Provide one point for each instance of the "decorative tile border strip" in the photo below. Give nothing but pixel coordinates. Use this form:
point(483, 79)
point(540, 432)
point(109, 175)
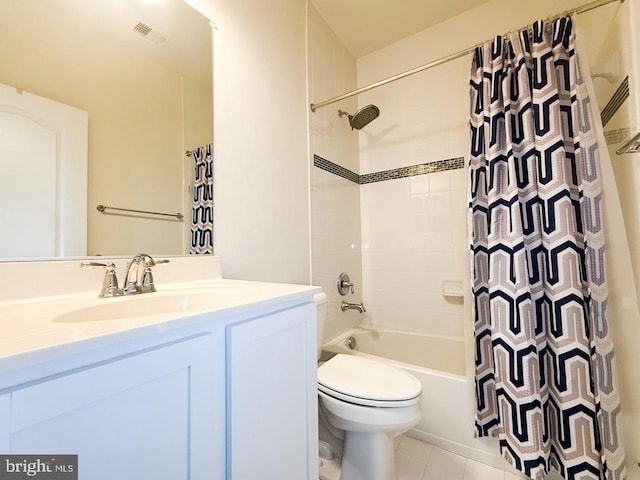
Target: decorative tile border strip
point(336, 169)
point(617, 136)
point(614, 136)
point(616, 101)
point(403, 172)
point(413, 170)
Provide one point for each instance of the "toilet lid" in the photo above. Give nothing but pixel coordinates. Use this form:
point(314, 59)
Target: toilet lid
point(350, 377)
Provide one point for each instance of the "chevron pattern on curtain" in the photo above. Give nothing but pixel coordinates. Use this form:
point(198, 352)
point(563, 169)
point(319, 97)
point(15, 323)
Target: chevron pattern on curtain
point(545, 369)
point(202, 212)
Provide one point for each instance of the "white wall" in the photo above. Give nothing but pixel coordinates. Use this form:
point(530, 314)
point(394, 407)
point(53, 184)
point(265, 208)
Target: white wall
point(335, 201)
point(261, 197)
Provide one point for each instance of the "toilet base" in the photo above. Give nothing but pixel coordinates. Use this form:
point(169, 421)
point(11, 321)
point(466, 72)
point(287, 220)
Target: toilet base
point(368, 456)
point(329, 470)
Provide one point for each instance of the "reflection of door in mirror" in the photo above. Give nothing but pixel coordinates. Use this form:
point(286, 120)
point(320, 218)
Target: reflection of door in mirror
point(43, 186)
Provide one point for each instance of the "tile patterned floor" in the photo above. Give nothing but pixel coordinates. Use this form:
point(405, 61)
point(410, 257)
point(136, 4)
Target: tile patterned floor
point(416, 460)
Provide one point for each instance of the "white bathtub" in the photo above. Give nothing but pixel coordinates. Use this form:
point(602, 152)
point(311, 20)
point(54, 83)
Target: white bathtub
point(447, 393)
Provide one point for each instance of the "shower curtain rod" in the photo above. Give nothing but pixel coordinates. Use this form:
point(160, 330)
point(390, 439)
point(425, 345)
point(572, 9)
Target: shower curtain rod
point(314, 106)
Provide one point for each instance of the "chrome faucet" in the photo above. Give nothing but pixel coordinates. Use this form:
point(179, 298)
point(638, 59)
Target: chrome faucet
point(110, 282)
point(344, 306)
point(139, 277)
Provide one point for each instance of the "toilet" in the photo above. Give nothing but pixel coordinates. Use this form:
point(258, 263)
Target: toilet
point(371, 402)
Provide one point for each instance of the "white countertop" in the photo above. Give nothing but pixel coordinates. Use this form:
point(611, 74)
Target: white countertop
point(50, 310)
point(35, 324)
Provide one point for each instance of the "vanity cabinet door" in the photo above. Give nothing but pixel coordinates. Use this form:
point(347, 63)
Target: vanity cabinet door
point(153, 414)
point(271, 397)
point(5, 421)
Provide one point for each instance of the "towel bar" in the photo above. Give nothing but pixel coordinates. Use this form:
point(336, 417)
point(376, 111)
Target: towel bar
point(102, 208)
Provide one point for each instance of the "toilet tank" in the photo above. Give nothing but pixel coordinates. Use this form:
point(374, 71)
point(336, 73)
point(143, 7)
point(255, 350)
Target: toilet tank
point(321, 302)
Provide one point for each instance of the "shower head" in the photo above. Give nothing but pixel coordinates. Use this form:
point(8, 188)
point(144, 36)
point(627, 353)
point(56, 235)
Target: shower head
point(362, 117)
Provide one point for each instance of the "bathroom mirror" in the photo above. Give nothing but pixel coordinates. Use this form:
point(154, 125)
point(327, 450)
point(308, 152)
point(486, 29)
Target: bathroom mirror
point(142, 72)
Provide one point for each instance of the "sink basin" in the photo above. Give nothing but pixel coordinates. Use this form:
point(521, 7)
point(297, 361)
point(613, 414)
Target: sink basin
point(153, 304)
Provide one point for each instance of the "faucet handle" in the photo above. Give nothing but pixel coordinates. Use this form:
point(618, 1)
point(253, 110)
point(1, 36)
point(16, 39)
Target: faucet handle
point(345, 284)
point(95, 264)
point(148, 261)
point(148, 285)
point(110, 282)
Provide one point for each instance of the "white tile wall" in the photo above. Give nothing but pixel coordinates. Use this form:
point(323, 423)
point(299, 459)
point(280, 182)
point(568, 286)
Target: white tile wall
point(414, 229)
point(335, 202)
point(414, 233)
point(423, 118)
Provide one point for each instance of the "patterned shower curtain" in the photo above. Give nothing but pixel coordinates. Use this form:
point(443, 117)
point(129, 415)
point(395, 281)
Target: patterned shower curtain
point(202, 214)
point(545, 374)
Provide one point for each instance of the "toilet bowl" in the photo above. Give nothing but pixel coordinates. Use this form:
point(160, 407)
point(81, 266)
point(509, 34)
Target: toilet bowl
point(371, 402)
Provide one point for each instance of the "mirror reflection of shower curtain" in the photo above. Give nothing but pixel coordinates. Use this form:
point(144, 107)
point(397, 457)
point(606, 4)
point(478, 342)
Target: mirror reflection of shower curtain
point(202, 212)
point(545, 369)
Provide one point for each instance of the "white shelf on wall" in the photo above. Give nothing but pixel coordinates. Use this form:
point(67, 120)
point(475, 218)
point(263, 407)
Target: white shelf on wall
point(452, 287)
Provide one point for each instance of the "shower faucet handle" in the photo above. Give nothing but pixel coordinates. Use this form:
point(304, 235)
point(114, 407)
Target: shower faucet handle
point(345, 284)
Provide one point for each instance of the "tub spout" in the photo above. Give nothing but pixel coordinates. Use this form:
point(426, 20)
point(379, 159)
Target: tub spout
point(344, 306)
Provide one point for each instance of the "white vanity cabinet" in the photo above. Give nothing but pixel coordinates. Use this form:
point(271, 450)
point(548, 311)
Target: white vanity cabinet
point(221, 395)
point(5, 421)
point(271, 397)
point(151, 414)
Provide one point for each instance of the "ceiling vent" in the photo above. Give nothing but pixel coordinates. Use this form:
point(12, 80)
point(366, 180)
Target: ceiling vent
point(150, 34)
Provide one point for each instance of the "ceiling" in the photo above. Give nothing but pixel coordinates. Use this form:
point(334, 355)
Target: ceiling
point(365, 26)
point(180, 37)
